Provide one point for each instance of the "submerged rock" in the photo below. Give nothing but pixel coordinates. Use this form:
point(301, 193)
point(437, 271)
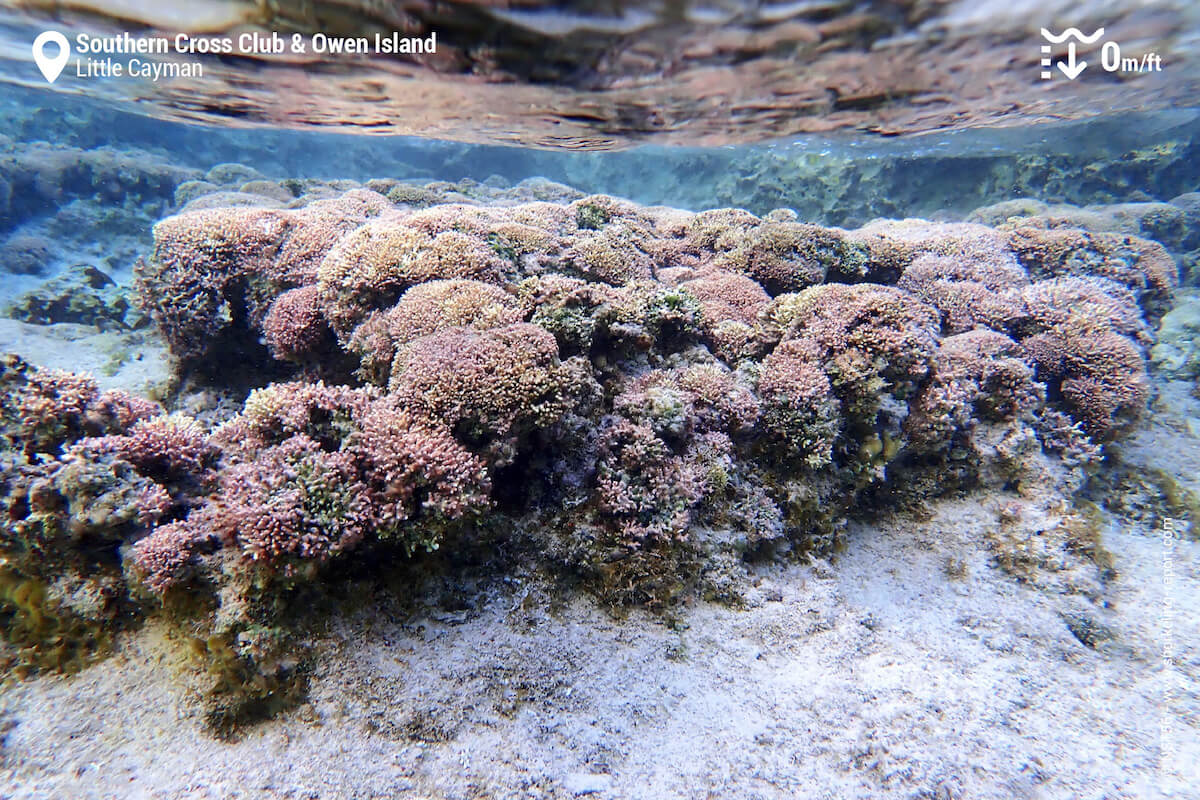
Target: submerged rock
point(82, 295)
point(43, 176)
point(641, 398)
point(188, 191)
point(232, 174)
point(1177, 353)
point(227, 199)
point(25, 254)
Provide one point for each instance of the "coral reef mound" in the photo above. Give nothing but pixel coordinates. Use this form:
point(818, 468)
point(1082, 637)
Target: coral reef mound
point(642, 398)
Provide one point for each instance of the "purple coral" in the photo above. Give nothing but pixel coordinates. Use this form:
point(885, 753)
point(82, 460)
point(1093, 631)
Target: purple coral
point(685, 401)
point(372, 266)
point(1100, 374)
point(161, 558)
point(292, 501)
point(295, 325)
point(978, 375)
point(414, 466)
point(428, 308)
point(315, 469)
point(44, 409)
point(615, 254)
point(200, 258)
point(861, 332)
point(798, 403)
point(727, 296)
point(968, 293)
point(317, 227)
point(781, 256)
point(1143, 266)
point(1098, 301)
point(167, 449)
point(460, 317)
point(216, 269)
point(55, 398)
point(275, 413)
point(644, 490)
point(729, 305)
point(495, 382)
point(124, 409)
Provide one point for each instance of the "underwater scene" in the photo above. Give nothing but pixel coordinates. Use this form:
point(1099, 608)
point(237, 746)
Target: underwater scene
point(634, 401)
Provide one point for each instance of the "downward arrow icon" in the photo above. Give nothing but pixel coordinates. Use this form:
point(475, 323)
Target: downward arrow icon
point(1070, 68)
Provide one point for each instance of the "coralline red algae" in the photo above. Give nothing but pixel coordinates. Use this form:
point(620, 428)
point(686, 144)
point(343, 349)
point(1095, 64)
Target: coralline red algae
point(625, 331)
point(642, 396)
point(295, 326)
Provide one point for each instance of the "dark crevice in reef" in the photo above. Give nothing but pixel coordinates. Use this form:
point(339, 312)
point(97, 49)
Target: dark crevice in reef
point(435, 398)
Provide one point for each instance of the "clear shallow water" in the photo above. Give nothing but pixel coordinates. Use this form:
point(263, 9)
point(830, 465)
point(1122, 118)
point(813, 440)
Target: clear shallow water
point(820, 175)
point(1017, 619)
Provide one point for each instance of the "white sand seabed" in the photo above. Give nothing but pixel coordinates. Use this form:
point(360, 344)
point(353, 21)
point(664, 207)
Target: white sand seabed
point(136, 361)
point(877, 676)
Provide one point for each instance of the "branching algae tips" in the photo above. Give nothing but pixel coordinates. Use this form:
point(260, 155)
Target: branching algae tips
point(740, 400)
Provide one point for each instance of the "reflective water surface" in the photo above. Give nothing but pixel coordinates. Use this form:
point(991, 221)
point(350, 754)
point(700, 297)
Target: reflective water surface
point(603, 75)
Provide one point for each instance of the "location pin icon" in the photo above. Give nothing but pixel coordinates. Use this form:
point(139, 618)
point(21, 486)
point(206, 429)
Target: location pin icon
point(51, 67)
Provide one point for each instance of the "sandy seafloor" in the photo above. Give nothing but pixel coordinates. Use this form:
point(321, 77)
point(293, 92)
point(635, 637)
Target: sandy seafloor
point(910, 667)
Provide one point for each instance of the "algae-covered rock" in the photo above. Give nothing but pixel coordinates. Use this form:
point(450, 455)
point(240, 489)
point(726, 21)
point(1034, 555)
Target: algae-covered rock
point(66, 514)
point(231, 199)
point(271, 189)
point(231, 174)
point(45, 176)
point(1177, 353)
point(637, 399)
point(25, 254)
point(83, 295)
point(188, 191)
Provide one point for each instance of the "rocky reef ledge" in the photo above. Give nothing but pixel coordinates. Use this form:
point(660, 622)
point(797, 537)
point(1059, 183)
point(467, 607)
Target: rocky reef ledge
point(639, 401)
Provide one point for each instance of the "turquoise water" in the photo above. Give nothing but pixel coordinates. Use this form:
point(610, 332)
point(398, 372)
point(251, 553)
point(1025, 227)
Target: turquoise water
point(664, 400)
